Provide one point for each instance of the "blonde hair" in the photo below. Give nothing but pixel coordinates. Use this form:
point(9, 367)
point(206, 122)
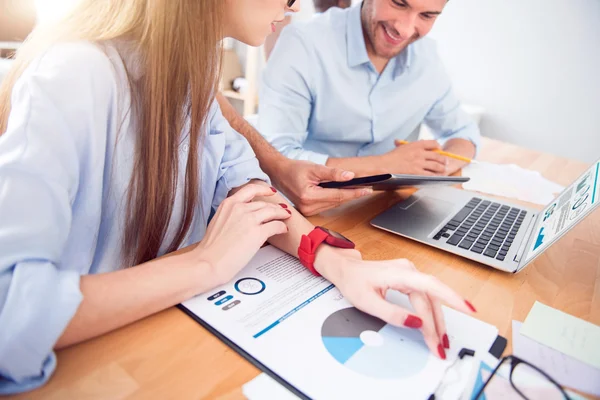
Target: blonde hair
point(178, 44)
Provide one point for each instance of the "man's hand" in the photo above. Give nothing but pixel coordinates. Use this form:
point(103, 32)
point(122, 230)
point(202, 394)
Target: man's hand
point(416, 158)
point(461, 147)
point(299, 181)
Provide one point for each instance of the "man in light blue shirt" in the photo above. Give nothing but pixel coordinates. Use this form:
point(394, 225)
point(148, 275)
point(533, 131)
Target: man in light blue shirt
point(345, 87)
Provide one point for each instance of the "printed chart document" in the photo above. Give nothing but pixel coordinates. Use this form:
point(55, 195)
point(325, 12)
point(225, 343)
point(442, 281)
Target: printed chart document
point(302, 329)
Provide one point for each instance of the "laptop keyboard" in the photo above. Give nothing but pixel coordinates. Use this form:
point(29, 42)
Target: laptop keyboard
point(484, 227)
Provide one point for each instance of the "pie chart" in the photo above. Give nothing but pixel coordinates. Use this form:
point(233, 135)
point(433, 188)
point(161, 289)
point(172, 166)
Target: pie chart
point(250, 286)
point(370, 347)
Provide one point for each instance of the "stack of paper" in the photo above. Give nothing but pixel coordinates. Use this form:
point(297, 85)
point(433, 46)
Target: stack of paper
point(565, 347)
point(510, 181)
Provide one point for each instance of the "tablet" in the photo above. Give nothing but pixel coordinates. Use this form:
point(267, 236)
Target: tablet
point(395, 181)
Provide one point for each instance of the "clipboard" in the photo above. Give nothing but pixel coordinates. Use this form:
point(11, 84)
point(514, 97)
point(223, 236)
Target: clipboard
point(244, 354)
point(497, 349)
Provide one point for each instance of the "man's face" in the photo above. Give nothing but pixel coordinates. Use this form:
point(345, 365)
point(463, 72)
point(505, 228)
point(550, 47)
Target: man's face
point(391, 25)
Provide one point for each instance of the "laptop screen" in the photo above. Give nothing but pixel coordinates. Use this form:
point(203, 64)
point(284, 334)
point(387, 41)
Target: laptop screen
point(574, 203)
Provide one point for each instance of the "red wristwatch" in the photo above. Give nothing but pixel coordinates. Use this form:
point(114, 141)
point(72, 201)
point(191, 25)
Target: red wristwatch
point(309, 244)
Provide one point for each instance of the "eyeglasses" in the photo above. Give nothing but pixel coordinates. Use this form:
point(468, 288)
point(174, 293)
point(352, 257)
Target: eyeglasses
point(290, 3)
point(528, 381)
point(525, 381)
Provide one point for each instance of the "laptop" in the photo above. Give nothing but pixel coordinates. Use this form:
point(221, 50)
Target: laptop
point(496, 233)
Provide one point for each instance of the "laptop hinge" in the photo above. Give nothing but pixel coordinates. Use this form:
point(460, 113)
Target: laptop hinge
point(525, 241)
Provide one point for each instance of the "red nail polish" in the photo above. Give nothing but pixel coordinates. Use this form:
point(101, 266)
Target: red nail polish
point(441, 352)
point(283, 205)
point(470, 306)
point(446, 341)
point(413, 322)
point(289, 212)
point(274, 190)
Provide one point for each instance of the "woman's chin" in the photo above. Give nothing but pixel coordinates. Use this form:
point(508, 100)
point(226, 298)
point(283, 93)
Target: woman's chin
point(251, 40)
point(258, 41)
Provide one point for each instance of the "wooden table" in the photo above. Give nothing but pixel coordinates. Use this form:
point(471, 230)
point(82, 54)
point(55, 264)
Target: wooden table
point(169, 355)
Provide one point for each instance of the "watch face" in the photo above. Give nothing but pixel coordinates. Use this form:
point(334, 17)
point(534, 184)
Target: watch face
point(336, 235)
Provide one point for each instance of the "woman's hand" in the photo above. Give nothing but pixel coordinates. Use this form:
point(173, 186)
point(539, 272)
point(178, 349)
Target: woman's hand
point(365, 283)
point(238, 229)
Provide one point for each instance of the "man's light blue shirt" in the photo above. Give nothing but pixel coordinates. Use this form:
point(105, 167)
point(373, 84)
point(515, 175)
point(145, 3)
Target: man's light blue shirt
point(66, 161)
point(321, 96)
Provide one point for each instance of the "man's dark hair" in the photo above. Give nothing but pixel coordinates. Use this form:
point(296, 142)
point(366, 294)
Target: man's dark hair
point(324, 5)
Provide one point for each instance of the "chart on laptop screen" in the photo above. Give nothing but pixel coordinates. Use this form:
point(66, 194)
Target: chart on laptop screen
point(573, 203)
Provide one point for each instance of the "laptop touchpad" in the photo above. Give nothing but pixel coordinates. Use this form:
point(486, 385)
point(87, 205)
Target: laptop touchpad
point(431, 207)
point(422, 215)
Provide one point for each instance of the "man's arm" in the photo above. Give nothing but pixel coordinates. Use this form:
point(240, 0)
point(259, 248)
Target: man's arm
point(298, 180)
point(269, 158)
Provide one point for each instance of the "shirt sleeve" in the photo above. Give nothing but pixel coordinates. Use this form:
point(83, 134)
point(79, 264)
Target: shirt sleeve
point(238, 164)
point(446, 119)
point(286, 98)
point(40, 157)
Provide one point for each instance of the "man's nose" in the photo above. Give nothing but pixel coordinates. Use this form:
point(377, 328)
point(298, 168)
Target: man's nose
point(407, 26)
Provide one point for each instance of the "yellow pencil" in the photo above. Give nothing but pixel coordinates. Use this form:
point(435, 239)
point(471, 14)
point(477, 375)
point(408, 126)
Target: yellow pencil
point(445, 153)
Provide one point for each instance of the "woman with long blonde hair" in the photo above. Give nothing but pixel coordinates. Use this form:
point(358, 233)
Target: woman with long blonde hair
point(113, 153)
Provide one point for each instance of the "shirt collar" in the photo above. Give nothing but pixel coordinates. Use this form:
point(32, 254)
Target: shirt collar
point(403, 61)
point(355, 41)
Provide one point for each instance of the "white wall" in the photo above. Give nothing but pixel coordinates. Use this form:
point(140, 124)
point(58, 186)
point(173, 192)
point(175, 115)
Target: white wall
point(533, 64)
